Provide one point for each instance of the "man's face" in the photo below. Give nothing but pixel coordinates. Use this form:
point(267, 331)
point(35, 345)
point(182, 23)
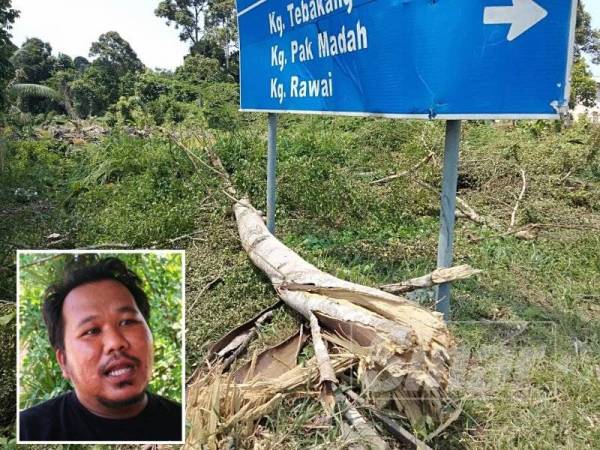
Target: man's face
point(108, 346)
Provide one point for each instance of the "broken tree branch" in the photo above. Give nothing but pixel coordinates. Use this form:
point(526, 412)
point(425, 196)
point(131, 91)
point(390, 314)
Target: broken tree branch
point(208, 286)
point(470, 213)
point(513, 216)
point(529, 232)
point(366, 434)
point(461, 205)
point(449, 421)
point(321, 353)
point(438, 276)
point(327, 378)
point(406, 172)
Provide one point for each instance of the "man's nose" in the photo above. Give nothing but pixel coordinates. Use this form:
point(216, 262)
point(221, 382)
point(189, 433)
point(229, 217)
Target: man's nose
point(115, 340)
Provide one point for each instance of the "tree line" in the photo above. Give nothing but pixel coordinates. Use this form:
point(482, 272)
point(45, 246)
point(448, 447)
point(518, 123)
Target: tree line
point(112, 78)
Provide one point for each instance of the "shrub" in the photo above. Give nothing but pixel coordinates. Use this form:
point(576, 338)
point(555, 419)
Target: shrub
point(220, 104)
point(134, 191)
point(8, 340)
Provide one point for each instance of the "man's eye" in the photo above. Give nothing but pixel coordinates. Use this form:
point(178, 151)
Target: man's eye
point(92, 331)
point(127, 322)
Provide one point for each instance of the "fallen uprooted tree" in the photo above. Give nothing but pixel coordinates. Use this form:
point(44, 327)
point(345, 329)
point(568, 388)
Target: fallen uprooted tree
point(397, 351)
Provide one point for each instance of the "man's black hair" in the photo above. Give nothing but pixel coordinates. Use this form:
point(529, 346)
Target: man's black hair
point(78, 274)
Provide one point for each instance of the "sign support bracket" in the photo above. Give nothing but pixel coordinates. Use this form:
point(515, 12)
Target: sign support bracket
point(271, 171)
point(447, 211)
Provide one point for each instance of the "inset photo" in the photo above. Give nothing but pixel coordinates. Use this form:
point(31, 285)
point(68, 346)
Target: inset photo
point(100, 353)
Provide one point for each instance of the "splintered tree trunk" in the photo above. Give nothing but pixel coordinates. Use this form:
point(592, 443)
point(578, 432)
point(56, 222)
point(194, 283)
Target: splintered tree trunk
point(402, 348)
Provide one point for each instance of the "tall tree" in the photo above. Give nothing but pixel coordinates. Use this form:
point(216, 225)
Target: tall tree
point(34, 65)
point(104, 81)
point(81, 64)
point(199, 68)
point(584, 90)
point(94, 92)
point(221, 26)
point(186, 16)
point(211, 49)
point(7, 18)
point(114, 53)
point(63, 62)
point(587, 39)
point(33, 62)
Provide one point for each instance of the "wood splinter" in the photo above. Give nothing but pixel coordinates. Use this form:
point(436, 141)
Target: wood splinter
point(438, 276)
point(366, 436)
point(390, 425)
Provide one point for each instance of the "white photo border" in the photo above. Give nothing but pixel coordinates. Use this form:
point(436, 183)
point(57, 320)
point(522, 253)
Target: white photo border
point(183, 343)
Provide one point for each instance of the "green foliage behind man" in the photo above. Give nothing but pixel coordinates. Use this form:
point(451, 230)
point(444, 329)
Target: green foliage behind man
point(8, 341)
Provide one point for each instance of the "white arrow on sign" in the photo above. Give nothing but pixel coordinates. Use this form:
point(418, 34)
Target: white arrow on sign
point(522, 15)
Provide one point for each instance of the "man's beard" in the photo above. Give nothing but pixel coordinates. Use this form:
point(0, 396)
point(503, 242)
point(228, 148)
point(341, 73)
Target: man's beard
point(118, 404)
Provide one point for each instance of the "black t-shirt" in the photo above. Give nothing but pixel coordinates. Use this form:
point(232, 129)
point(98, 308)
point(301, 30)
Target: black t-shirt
point(64, 418)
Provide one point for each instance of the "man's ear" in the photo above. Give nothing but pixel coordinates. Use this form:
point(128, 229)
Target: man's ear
point(61, 357)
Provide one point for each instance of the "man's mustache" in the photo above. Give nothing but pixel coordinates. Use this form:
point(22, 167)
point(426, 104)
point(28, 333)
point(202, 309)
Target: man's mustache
point(120, 356)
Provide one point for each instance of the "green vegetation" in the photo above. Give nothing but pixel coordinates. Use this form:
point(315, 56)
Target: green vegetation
point(7, 365)
point(148, 192)
point(41, 378)
point(7, 48)
point(330, 213)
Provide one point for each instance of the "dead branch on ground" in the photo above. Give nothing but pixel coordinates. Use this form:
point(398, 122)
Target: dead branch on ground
point(513, 216)
point(390, 425)
point(360, 431)
point(462, 206)
point(438, 276)
point(406, 172)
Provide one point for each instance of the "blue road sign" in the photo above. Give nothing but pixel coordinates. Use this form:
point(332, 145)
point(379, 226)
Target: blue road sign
point(445, 59)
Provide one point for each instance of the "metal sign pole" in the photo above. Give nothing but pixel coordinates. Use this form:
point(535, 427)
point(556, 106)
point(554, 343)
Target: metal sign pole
point(271, 172)
point(447, 213)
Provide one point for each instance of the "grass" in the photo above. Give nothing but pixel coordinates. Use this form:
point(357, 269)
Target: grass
point(145, 192)
point(332, 216)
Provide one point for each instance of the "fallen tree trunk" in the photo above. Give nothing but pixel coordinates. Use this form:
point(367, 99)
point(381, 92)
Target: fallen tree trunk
point(399, 350)
point(404, 347)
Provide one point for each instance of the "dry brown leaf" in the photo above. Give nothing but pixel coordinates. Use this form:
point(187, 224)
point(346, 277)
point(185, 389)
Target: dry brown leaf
point(230, 342)
point(273, 362)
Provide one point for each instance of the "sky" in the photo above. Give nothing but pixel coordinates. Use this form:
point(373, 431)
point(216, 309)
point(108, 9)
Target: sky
point(70, 26)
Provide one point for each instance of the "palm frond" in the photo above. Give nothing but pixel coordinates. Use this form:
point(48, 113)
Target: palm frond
point(37, 90)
